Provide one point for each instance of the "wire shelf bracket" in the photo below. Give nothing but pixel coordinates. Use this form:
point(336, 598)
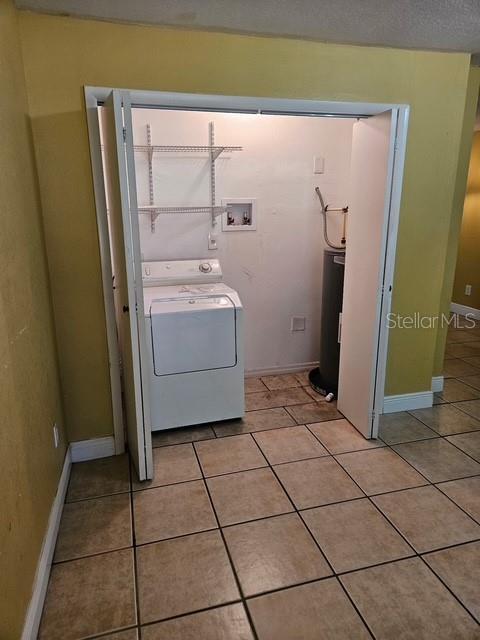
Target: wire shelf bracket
point(214, 151)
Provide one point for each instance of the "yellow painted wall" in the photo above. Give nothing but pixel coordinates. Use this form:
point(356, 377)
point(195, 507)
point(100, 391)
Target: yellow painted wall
point(29, 389)
point(64, 54)
point(471, 101)
point(468, 261)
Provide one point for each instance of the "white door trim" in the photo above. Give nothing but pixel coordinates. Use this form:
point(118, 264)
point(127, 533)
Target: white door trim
point(157, 99)
point(91, 105)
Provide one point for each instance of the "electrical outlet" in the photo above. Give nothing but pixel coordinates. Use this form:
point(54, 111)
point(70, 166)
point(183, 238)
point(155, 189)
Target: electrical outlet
point(212, 241)
point(56, 436)
point(468, 289)
point(298, 323)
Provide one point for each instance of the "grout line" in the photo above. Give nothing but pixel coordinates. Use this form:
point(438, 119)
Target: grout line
point(191, 613)
point(107, 634)
point(136, 583)
point(104, 495)
point(91, 555)
point(243, 598)
point(316, 543)
point(227, 550)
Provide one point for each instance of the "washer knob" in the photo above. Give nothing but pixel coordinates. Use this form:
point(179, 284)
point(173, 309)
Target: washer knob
point(205, 267)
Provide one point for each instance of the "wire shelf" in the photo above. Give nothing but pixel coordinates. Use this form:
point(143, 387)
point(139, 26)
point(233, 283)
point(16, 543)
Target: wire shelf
point(184, 148)
point(155, 211)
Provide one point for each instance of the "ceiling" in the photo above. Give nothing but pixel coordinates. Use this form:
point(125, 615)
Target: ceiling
point(447, 25)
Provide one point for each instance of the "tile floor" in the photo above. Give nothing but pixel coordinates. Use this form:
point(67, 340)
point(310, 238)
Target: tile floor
point(286, 525)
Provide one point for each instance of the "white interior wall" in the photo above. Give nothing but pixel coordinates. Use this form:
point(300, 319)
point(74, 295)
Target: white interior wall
point(276, 269)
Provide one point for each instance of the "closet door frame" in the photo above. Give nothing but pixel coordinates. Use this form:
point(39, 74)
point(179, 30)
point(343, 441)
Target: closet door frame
point(94, 97)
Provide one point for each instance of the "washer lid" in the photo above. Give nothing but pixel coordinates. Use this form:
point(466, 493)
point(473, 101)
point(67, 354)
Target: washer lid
point(190, 305)
point(181, 272)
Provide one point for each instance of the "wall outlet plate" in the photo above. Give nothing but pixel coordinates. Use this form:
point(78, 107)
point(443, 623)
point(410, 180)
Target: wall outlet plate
point(468, 289)
point(212, 241)
point(298, 323)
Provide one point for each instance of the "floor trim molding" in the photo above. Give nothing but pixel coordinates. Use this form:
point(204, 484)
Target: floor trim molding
point(280, 369)
point(408, 401)
point(462, 310)
point(437, 384)
point(92, 449)
point(40, 583)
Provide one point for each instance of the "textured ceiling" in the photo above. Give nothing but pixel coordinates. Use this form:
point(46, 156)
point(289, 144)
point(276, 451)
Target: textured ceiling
point(448, 25)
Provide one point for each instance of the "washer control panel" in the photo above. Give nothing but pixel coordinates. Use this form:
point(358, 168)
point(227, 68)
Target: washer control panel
point(181, 272)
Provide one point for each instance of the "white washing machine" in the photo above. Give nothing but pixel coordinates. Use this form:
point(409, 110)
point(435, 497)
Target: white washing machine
point(195, 342)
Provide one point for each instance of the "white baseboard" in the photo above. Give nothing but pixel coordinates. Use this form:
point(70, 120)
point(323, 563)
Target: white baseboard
point(408, 401)
point(280, 369)
point(35, 608)
point(463, 310)
point(437, 384)
point(92, 449)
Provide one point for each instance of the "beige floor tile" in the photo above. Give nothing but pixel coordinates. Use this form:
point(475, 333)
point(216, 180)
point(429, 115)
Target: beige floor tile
point(314, 412)
point(446, 419)
point(129, 634)
point(177, 463)
point(255, 421)
point(309, 612)
point(458, 568)
point(227, 455)
point(437, 399)
point(380, 470)
point(278, 398)
point(468, 442)
point(438, 460)
point(405, 600)
point(302, 377)
point(472, 407)
point(289, 444)
point(174, 510)
point(456, 391)
point(247, 495)
point(427, 518)
point(403, 427)
point(339, 436)
point(312, 483)
point(463, 350)
point(471, 381)
point(354, 534)
point(94, 526)
point(224, 623)
point(97, 478)
point(184, 575)
point(455, 367)
point(274, 553)
point(473, 360)
point(89, 596)
point(465, 493)
point(314, 394)
point(460, 335)
point(254, 384)
point(284, 381)
point(182, 435)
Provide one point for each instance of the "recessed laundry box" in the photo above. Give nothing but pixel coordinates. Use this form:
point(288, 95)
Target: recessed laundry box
point(193, 334)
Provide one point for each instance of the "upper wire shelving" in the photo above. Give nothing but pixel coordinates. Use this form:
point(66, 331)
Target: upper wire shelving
point(213, 150)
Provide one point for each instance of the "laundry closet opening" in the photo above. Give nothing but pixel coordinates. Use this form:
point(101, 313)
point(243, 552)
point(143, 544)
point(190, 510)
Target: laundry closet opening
point(259, 242)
